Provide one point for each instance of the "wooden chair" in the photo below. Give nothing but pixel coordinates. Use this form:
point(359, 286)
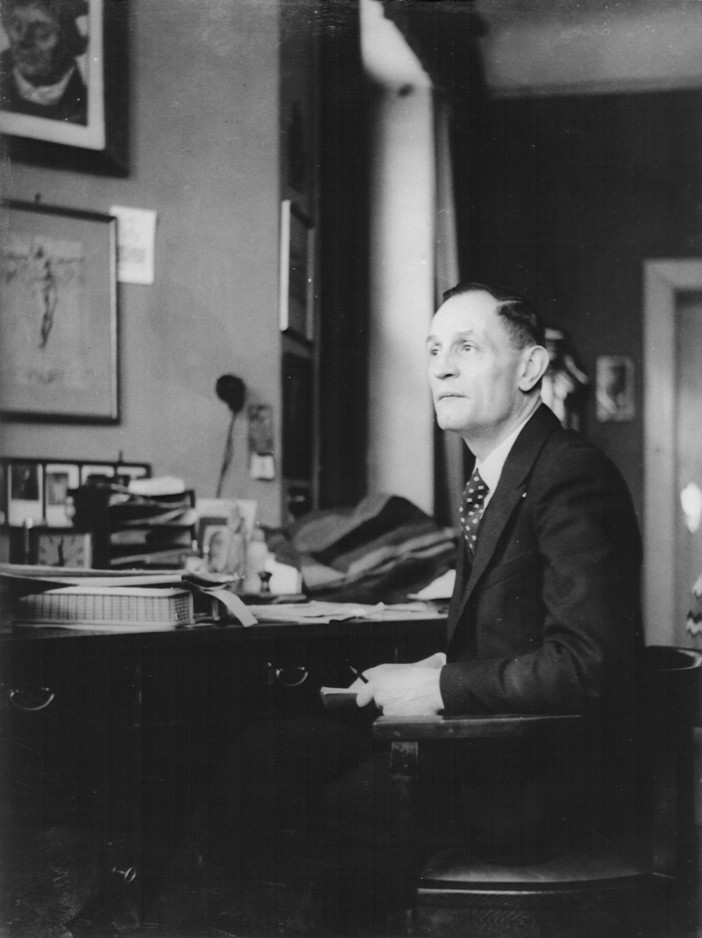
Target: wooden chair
point(562, 883)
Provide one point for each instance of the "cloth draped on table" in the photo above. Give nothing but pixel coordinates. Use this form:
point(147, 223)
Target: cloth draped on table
point(380, 550)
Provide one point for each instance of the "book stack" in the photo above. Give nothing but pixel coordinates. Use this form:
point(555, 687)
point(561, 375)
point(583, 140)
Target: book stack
point(133, 530)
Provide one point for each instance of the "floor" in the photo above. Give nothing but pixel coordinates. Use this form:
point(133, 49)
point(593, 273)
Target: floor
point(286, 881)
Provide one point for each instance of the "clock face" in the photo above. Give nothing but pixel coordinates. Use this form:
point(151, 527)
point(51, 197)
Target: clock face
point(62, 547)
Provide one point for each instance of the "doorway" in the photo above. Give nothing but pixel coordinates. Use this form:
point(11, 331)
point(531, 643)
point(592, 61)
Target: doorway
point(672, 442)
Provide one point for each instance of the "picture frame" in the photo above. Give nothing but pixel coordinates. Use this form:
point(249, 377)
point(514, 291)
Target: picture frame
point(90, 471)
point(87, 129)
point(59, 479)
point(229, 511)
point(53, 546)
point(25, 493)
point(223, 547)
point(298, 425)
point(614, 388)
point(128, 472)
point(297, 249)
point(58, 314)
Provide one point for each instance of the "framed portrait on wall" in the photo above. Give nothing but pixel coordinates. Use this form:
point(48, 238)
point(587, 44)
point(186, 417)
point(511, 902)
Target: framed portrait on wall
point(63, 88)
point(58, 314)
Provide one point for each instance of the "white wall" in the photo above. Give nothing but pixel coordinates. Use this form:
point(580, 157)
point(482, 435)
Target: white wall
point(205, 152)
point(401, 243)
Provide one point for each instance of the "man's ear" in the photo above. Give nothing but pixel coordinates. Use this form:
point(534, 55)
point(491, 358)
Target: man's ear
point(535, 362)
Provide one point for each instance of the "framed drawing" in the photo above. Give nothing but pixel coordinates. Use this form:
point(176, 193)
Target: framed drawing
point(615, 388)
point(63, 97)
point(58, 314)
point(296, 272)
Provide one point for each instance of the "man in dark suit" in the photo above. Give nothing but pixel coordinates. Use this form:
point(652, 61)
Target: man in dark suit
point(545, 615)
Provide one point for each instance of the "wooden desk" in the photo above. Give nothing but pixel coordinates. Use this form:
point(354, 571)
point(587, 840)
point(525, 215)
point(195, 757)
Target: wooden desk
point(119, 734)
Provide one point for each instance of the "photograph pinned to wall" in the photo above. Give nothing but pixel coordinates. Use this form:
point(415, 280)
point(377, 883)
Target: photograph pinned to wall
point(91, 471)
point(222, 546)
point(261, 461)
point(615, 388)
point(63, 90)
point(25, 502)
point(126, 473)
point(59, 480)
point(58, 314)
point(296, 273)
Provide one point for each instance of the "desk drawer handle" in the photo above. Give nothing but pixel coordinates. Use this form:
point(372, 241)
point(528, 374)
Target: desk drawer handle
point(31, 698)
point(126, 876)
point(291, 676)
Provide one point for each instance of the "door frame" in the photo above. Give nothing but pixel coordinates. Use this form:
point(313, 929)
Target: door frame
point(663, 279)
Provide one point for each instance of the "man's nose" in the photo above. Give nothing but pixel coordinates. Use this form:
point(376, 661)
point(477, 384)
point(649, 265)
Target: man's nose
point(443, 364)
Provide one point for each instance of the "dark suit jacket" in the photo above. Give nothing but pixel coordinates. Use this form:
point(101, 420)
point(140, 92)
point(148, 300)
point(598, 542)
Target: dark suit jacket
point(547, 619)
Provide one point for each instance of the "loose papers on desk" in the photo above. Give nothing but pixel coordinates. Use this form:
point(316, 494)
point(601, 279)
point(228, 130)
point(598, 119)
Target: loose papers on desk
point(325, 612)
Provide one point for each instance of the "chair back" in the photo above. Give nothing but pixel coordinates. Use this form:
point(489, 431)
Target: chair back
point(673, 703)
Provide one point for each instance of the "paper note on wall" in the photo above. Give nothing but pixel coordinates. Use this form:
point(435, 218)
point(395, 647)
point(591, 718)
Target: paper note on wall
point(136, 235)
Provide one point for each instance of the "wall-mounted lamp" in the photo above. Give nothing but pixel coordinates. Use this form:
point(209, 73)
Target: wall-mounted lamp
point(232, 391)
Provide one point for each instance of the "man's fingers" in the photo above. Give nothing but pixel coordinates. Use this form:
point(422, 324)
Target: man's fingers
point(364, 695)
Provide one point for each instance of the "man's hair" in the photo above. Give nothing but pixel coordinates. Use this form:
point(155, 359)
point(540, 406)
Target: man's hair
point(522, 321)
point(65, 12)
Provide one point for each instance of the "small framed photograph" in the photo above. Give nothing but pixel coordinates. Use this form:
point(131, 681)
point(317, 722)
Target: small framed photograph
point(223, 548)
point(63, 91)
point(59, 479)
point(297, 246)
point(25, 498)
point(96, 470)
point(231, 510)
point(58, 330)
point(615, 388)
point(60, 547)
point(126, 473)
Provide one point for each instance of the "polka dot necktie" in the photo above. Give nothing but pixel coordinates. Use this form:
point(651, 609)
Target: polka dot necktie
point(471, 510)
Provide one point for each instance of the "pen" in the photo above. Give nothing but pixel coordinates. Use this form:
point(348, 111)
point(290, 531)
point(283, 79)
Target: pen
point(356, 673)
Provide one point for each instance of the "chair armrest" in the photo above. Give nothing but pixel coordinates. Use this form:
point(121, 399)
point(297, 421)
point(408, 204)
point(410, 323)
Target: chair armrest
point(476, 727)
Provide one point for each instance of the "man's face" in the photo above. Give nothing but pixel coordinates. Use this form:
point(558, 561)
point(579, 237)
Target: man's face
point(36, 42)
point(474, 368)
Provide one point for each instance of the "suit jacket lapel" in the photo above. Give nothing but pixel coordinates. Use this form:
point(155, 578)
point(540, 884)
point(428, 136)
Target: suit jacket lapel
point(510, 490)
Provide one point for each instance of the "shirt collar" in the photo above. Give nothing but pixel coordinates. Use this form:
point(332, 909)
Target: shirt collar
point(491, 467)
point(44, 95)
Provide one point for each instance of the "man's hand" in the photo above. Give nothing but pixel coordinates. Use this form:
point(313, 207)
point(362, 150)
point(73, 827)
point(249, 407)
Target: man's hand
point(403, 689)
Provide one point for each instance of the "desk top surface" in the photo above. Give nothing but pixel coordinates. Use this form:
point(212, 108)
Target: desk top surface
point(231, 631)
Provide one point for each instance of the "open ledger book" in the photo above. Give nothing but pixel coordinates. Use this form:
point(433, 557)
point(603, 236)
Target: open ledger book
point(109, 601)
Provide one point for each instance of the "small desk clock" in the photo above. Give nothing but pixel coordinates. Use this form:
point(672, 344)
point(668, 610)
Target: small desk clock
point(60, 547)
